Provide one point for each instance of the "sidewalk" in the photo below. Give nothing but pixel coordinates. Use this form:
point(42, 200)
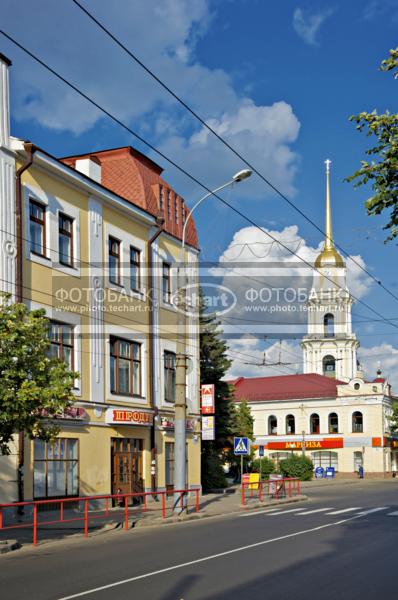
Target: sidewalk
point(210, 505)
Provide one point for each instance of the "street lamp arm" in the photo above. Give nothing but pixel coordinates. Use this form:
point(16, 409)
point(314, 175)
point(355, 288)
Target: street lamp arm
point(195, 206)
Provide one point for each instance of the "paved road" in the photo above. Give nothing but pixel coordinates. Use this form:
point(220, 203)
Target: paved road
point(316, 551)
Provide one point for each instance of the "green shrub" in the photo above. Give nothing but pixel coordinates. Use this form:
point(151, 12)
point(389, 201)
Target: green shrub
point(297, 466)
point(267, 467)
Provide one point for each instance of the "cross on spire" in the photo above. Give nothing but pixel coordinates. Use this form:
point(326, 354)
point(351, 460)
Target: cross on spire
point(328, 163)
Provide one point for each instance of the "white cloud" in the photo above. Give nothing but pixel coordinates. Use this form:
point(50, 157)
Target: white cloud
point(262, 134)
point(164, 35)
point(307, 25)
point(383, 355)
point(253, 262)
point(380, 9)
point(249, 355)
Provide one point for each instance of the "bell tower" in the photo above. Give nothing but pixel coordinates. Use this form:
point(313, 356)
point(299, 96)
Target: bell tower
point(330, 346)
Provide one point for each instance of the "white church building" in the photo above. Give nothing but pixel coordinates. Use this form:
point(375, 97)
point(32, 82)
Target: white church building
point(330, 412)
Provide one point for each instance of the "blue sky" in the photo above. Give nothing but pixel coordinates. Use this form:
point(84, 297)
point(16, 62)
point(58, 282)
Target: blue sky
point(278, 80)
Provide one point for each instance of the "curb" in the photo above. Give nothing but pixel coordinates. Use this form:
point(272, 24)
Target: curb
point(199, 516)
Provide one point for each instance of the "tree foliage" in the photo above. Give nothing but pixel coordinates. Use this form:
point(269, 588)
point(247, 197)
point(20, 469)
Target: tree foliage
point(214, 364)
point(393, 418)
point(382, 171)
point(266, 465)
point(297, 466)
point(34, 388)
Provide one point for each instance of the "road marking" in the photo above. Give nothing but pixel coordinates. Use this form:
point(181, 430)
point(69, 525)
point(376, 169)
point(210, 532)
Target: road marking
point(345, 510)
point(260, 512)
point(208, 558)
point(372, 510)
point(317, 510)
point(393, 514)
point(284, 512)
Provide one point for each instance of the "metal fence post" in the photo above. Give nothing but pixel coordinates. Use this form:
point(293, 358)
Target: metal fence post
point(86, 518)
point(34, 524)
point(164, 505)
point(243, 494)
point(197, 500)
point(126, 512)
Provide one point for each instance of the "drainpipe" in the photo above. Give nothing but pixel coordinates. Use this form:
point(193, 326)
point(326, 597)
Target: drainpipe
point(30, 150)
point(160, 224)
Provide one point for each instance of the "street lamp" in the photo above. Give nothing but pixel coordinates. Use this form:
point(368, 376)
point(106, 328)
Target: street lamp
point(180, 403)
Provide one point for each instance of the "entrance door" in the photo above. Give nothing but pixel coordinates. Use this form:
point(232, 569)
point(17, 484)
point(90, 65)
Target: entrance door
point(358, 461)
point(126, 466)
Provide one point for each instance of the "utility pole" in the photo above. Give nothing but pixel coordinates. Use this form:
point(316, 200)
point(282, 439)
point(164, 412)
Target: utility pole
point(179, 503)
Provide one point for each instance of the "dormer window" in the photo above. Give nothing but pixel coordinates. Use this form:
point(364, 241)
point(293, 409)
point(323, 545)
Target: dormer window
point(161, 198)
point(176, 209)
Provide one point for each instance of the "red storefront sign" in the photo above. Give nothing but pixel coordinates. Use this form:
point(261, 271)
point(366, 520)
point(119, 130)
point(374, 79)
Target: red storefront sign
point(207, 399)
point(128, 417)
point(309, 444)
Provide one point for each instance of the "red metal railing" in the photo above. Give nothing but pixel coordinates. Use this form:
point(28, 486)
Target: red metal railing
point(122, 509)
point(287, 487)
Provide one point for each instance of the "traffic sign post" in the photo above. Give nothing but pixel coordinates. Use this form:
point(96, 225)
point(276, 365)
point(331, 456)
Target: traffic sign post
point(261, 454)
point(241, 448)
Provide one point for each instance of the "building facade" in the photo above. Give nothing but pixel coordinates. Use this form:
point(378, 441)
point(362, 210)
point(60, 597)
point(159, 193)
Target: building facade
point(95, 241)
point(329, 412)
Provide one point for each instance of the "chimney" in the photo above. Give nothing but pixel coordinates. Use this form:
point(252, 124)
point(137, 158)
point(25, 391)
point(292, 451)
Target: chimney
point(4, 102)
point(89, 166)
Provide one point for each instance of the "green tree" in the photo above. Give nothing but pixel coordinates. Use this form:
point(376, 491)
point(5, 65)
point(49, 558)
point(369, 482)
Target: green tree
point(244, 420)
point(266, 465)
point(393, 418)
point(34, 388)
point(297, 466)
point(382, 171)
point(214, 364)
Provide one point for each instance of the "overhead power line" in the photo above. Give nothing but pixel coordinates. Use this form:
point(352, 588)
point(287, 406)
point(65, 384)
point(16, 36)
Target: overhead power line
point(183, 170)
point(135, 58)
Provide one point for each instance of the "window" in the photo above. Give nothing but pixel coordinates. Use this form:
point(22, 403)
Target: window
point(56, 468)
point(176, 209)
point(277, 458)
point(333, 423)
point(169, 376)
point(135, 256)
point(61, 342)
point(169, 204)
point(37, 227)
point(329, 366)
point(314, 423)
point(328, 325)
point(125, 367)
point(272, 425)
point(357, 422)
point(325, 458)
point(290, 424)
point(166, 283)
point(114, 260)
point(65, 240)
point(358, 460)
point(161, 202)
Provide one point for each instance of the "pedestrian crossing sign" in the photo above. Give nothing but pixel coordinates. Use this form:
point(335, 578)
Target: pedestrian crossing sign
point(241, 446)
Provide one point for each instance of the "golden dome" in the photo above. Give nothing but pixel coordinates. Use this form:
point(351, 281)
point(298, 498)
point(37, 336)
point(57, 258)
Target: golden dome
point(329, 255)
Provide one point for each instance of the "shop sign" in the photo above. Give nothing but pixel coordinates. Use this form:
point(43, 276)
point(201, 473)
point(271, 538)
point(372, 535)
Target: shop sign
point(168, 423)
point(72, 413)
point(128, 417)
point(207, 399)
point(309, 444)
point(208, 428)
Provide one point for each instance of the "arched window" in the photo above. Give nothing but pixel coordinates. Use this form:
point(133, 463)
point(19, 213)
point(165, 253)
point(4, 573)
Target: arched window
point(333, 423)
point(272, 425)
point(329, 366)
point(290, 424)
point(314, 423)
point(357, 422)
point(328, 325)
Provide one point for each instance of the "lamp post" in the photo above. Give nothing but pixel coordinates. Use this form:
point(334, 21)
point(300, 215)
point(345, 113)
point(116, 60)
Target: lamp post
point(181, 357)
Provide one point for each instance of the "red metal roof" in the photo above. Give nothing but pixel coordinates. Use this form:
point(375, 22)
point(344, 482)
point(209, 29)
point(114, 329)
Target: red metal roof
point(137, 179)
point(285, 387)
